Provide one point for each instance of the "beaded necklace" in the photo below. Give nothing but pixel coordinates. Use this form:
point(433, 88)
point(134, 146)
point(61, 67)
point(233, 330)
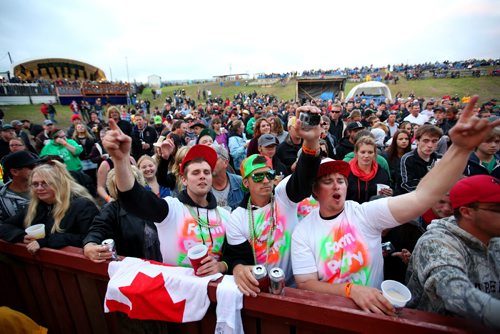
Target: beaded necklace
point(196, 217)
point(251, 227)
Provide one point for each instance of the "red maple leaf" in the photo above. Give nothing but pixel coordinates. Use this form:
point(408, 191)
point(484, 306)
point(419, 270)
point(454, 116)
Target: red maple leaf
point(150, 300)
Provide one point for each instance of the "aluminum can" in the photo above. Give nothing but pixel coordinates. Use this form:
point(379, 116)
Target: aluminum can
point(110, 244)
point(260, 274)
point(277, 281)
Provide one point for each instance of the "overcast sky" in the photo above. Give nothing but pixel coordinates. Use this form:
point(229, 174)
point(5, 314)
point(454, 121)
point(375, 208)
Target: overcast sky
point(199, 39)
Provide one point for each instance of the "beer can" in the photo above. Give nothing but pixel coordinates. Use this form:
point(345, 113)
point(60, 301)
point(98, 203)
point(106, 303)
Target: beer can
point(277, 281)
point(260, 274)
point(110, 244)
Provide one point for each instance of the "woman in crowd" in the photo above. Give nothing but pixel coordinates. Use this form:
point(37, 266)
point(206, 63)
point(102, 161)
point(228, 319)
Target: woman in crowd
point(16, 144)
point(221, 135)
point(365, 172)
point(57, 201)
point(237, 143)
point(400, 145)
point(277, 128)
point(87, 141)
point(262, 126)
point(181, 153)
point(148, 166)
point(133, 236)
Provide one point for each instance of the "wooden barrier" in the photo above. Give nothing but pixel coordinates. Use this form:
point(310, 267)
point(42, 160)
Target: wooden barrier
point(63, 291)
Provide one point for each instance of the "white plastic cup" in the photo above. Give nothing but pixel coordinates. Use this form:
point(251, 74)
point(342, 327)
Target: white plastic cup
point(396, 293)
point(196, 254)
point(381, 186)
point(37, 231)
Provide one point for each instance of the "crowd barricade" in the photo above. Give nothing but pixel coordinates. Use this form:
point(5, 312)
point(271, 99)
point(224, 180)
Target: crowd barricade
point(64, 291)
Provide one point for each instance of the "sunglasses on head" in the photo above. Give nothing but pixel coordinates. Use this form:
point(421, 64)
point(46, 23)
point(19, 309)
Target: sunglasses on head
point(259, 177)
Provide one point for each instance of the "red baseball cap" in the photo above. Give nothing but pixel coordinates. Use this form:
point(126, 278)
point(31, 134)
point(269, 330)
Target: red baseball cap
point(477, 188)
point(200, 151)
point(330, 166)
point(75, 116)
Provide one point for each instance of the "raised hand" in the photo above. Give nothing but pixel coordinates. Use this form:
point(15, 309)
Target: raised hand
point(313, 133)
point(167, 147)
point(116, 143)
point(470, 131)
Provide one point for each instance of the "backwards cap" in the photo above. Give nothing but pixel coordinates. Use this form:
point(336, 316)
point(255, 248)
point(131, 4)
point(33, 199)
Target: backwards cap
point(200, 151)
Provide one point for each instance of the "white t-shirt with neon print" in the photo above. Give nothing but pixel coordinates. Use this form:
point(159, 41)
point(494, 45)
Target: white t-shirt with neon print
point(344, 249)
point(285, 216)
point(179, 231)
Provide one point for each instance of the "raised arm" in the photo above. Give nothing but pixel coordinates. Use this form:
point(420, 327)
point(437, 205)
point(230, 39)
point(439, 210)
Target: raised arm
point(118, 146)
point(468, 133)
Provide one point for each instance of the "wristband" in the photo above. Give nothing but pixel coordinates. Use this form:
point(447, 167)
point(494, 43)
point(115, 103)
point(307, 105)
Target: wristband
point(347, 290)
point(309, 151)
point(107, 198)
point(226, 266)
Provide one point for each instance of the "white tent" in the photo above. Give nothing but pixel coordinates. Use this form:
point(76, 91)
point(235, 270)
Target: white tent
point(370, 88)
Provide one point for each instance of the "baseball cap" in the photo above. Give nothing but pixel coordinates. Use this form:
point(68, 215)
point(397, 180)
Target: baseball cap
point(200, 151)
point(48, 122)
point(207, 132)
point(268, 140)
point(477, 188)
point(7, 127)
point(354, 125)
point(15, 123)
point(158, 120)
point(75, 116)
point(251, 163)
point(19, 160)
point(200, 124)
point(221, 151)
point(329, 166)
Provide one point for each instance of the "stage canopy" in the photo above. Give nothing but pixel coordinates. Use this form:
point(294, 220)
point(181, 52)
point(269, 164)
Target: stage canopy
point(57, 69)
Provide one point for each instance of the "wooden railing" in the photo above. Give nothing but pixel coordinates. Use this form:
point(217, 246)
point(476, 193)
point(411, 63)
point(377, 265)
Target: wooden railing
point(63, 291)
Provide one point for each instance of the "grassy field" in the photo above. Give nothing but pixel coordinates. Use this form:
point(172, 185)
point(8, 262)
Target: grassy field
point(486, 87)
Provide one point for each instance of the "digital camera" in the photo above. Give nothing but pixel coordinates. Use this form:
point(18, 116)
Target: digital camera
point(309, 120)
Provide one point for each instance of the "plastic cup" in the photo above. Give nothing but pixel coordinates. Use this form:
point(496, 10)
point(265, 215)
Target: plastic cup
point(196, 254)
point(396, 293)
point(37, 231)
point(381, 186)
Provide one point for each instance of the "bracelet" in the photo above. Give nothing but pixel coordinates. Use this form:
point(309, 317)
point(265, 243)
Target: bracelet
point(308, 151)
point(226, 266)
point(347, 290)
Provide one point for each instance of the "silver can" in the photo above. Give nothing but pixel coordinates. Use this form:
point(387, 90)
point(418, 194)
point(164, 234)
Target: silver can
point(110, 244)
point(260, 274)
point(277, 281)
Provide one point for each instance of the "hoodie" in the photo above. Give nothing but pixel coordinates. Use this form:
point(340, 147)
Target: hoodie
point(451, 272)
point(344, 147)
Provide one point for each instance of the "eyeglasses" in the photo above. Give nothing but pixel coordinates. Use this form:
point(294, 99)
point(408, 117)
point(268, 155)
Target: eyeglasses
point(336, 111)
point(15, 145)
point(259, 177)
point(42, 184)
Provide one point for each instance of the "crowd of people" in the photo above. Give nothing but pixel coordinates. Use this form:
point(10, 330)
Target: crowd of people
point(258, 182)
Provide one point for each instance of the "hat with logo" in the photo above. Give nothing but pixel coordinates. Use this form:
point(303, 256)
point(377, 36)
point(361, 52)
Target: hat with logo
point(200, 151)
point(19, 160)
point(268, 140)
point(252, 163)
point(157, 119)
point(477, 188)
point(354, 126)
point(330, 166)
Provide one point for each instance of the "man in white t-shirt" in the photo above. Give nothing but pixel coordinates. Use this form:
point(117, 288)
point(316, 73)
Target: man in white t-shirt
point(415, 117)
point(261, 227)
point(191, 218)
point(337, 248)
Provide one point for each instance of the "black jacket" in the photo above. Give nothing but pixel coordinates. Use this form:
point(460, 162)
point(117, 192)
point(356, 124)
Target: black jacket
point(474, 167)
point(361, 191)
point(75, 224)
point(343, 148)
point(412, 169)
point(128, 232)
point(287, 153)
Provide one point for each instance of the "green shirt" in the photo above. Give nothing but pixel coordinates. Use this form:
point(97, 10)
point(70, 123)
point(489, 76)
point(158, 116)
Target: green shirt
point(71, 160)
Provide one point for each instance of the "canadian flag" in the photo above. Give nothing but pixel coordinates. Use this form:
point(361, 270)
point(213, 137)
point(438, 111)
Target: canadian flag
point(149, 290)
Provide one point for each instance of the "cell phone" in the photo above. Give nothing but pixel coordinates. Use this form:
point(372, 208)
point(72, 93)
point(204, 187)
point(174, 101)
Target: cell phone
point(309, 120)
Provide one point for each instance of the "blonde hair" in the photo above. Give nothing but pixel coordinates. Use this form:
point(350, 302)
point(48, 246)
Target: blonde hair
point(147, 157)
point(111, 184)
point(65, 188)
point(85, 130)
point(110, 110)
point(365, 140)
point(176, 169)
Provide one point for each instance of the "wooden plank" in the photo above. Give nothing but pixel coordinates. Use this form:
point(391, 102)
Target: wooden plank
point(10, 293)
point(43, 298)
point(27, 295)
point(57, 301)
point(93, 304)
point(73, 299)
point(275, 326)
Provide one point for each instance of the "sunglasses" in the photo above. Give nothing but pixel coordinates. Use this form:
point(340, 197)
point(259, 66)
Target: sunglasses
point(259, 177)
